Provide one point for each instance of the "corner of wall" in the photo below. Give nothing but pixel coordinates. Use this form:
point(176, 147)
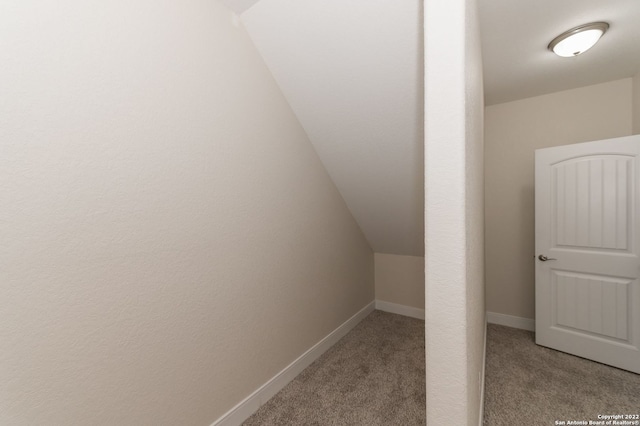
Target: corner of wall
point(399, 280)
point(635, 104)
point(482, 374)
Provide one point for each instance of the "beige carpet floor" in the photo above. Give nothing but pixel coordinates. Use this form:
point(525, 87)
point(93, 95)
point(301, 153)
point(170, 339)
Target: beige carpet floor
point(526, 384)
point(375, 375)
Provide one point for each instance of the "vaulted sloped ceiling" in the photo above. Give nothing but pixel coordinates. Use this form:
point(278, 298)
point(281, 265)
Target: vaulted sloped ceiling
point(351, 71)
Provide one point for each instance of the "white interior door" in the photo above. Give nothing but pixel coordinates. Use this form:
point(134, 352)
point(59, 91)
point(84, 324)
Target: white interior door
point(588, 230)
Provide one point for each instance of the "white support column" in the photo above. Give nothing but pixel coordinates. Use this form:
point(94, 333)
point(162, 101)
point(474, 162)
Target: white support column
point(454, 288)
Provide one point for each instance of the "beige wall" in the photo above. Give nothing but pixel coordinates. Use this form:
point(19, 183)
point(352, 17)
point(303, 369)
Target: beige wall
point(513, 131)
point(636, 104)
point(170, 239)
point(400, 279)
point(454, 292)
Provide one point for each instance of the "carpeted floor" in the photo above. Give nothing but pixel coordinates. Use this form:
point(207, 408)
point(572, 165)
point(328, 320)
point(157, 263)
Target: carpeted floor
point(375, 375)
point(526, 384)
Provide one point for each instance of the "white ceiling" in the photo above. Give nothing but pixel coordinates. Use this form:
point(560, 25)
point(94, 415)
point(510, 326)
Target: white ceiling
point(352, 72)
point(239, 6)
point(515, 35)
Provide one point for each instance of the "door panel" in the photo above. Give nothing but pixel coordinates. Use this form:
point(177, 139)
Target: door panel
point(587, 223)
point(600, 306)
point(592, 202)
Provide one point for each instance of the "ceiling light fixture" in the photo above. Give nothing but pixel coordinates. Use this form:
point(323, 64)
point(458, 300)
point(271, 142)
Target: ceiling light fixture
point(578, 40)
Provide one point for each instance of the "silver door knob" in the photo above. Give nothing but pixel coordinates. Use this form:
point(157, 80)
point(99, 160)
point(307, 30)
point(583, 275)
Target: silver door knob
point(545, 258)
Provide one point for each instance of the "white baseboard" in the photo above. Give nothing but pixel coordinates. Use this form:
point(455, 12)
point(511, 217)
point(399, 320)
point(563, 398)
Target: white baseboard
point(394, 308)
point(511, 321)
point(260, 396)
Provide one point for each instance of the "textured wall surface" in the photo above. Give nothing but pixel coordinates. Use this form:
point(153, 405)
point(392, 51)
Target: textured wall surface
point(474, 214)
point(513, 131)
point(453, 218)
point(400, 279)
point(169, 237)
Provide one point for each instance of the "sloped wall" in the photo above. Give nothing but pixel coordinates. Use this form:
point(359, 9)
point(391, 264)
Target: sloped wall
point(170, 239)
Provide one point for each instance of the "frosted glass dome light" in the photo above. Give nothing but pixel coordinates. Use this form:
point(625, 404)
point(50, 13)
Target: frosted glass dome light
point(578, 40)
